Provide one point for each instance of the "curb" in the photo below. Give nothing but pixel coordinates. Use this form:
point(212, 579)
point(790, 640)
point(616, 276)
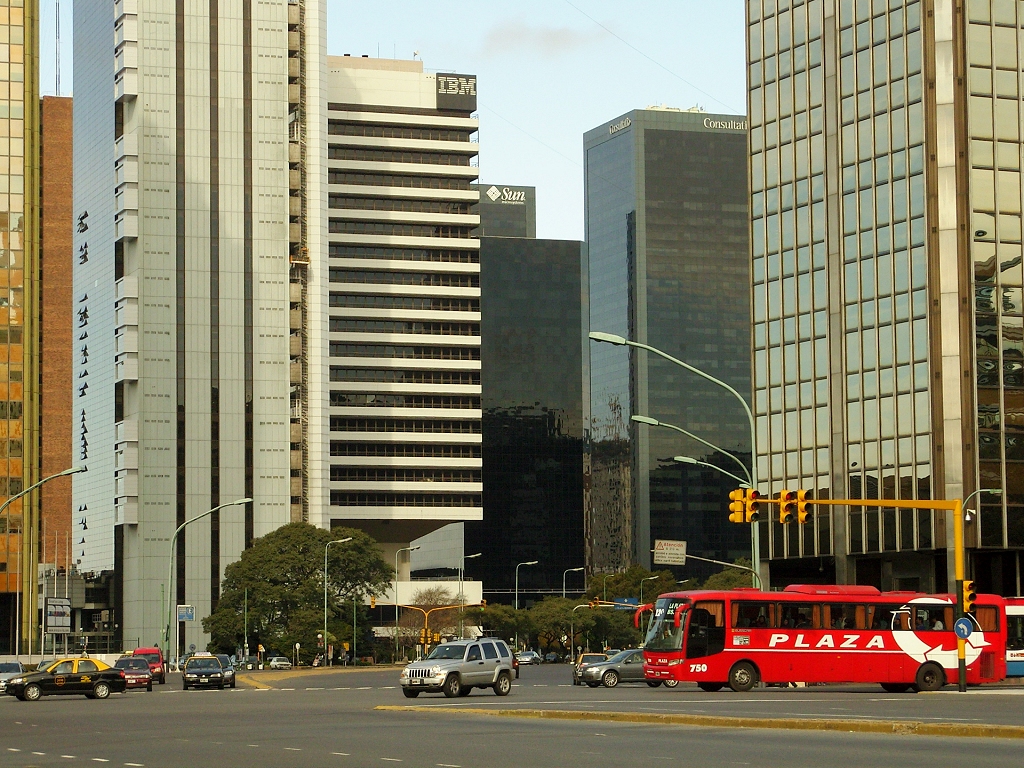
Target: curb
point(898, 727)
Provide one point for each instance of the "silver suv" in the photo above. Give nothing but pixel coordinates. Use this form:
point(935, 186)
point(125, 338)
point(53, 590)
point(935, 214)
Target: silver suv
point(456, 668)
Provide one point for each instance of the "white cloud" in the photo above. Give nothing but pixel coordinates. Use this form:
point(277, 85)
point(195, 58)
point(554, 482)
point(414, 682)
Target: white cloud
point(550, 42)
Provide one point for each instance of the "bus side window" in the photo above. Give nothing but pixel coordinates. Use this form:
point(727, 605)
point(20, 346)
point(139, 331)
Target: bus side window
point(1015, 633)
point(750, 615)
point(988, 617)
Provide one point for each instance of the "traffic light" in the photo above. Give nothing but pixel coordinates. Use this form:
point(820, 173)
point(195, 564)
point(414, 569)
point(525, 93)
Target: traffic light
point(423, 637)
point(483, 604)
point(592, 603)
point(804, 508)
point(437, 638)
point(753, 504)
point(969, 596)
point(736, 506)
point(787, 507)
point(373, 601)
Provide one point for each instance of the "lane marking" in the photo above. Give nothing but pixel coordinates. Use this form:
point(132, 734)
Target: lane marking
point(343, 754)
point(134, 765)
point(100, 760)
point(388, 688)
point(292, 749)
point(448, 765)
point(286, 689)
point(391, 759)
point(314, 689)
point(68, 757)
point(12, 749)
point(369, 688)
point(38, 753)
point(252, 745)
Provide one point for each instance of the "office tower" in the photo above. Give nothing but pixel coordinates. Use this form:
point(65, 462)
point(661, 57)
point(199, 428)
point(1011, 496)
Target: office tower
point(533, 321)
point(189, 135)
point(886, 224)
point(507, 211)
point(393, 331)
point(19, 330)
point(667, 235)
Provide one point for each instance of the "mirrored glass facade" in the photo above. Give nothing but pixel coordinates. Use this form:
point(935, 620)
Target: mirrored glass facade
point(666, 228)
point(866, 384)
point(532, 327)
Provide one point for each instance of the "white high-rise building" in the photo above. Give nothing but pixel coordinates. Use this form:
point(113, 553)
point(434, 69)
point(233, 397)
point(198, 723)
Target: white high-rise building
point(392, 307)
point(190, 132)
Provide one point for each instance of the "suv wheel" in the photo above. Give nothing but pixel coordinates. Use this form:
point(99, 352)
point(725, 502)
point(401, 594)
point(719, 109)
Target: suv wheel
point(503, 685)
point(410, 694)
point(452, 685)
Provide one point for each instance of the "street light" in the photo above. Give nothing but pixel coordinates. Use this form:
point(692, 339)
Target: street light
point(649, 578)
point(397, 553)
point(327, 547)
point(170, 569)
point(531, 562)
point(462, 594)
point(690, 460)
point(656, 423)
point(968, 512)
point(611, 338)
point(606, 585)
point(572, 570)
point(31, 527)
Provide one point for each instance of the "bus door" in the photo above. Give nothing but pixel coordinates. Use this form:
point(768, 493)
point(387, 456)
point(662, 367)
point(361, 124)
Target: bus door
point(705, 629)
point(1015, 641)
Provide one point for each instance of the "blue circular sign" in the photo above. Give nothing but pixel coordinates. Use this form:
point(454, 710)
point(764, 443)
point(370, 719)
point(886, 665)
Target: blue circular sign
point(963, 628)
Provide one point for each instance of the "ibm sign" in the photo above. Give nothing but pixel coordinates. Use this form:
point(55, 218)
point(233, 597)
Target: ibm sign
point(456, 92)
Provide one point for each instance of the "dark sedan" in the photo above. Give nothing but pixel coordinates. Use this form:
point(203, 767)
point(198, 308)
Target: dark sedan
point(83, 677)
point(623, 667)
point(137, 673)
point(202, 671)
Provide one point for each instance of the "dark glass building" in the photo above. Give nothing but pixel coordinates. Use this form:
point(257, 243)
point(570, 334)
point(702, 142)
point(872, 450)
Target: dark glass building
point(533, 325)
point(667, 235)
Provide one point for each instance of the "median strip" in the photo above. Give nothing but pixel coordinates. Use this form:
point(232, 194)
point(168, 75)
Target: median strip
point(898, 727)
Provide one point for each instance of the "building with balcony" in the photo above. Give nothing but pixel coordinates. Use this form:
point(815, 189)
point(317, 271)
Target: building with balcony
point(389, 369)
point(190, 129)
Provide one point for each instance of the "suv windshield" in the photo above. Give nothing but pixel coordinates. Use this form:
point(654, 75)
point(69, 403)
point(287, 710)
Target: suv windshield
point(448, 652)
point(10, 667)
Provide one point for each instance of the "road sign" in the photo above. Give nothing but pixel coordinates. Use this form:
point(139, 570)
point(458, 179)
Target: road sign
point(963, 628)
point(669, 552)
point(58, 616)
point(186, 613)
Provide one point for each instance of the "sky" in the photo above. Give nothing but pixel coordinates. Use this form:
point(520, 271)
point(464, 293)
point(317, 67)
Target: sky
point(548, 71)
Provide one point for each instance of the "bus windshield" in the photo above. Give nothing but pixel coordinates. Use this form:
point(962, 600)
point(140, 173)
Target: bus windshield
point(663, 634)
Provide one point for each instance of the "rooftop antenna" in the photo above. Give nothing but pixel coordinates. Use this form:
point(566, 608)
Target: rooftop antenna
point(58, 46)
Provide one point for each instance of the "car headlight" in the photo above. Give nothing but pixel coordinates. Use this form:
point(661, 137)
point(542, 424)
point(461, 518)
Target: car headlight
point(16, 681)
point(435, 670)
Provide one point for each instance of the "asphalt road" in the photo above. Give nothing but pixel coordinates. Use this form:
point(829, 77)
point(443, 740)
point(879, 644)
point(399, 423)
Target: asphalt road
point(318, 718)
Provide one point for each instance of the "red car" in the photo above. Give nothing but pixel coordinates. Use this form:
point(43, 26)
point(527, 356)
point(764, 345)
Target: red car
point(157, 666)
point(136, 672)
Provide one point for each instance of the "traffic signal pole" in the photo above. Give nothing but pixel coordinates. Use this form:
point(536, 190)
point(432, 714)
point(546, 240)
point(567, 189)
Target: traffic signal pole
point(958, 565)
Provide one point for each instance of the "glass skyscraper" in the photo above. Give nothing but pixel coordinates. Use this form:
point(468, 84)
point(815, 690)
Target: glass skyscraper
point(885, 160)
point(667, 234)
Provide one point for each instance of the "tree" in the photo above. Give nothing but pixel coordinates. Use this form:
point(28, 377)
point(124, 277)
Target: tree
point(627, 584)
point(443, 622)
point(553, 618)
point(615, 628)
point(283, 575)
point(497, 620)
point(730, 578)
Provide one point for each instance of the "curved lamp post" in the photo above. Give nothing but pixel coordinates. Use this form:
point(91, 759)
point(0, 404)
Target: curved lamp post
point(31, 528)
point(691, 460)
point(649, 578)
point(327, 547)
point(656, 423)
point(611, 338)
point(170, 570)
point(572, 570)
point(397, 553)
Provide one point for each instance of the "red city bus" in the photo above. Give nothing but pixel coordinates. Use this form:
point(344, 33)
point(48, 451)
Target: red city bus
point(820, 634)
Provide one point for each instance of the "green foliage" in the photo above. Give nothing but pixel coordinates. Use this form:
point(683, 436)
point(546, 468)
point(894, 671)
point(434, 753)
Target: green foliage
point(553, 618)
point(283, 574)
point(499, 620)
point(627, 584)
point(615, 628)
point(729, 578)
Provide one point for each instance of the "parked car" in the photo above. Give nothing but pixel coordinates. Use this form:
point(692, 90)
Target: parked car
point(155, 658)
point(203, 670)
point(624, 667)
point(136, 672)
point(9, 669)
point(82, 676)
point(581, 663)
point(279, 662)
point(228, 667)
point(528, 657)
point(457, 667)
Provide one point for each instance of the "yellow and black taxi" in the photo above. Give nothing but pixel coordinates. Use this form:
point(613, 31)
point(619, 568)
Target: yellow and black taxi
point(78, 676)
point(203, 670)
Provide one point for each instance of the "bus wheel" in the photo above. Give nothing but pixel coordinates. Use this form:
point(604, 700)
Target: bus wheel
point(742, 677)
point(895, 687)
point(711, 687)
point(930, 677)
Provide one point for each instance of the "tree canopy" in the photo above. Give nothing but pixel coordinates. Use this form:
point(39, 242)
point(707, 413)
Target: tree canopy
point(283, 575)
